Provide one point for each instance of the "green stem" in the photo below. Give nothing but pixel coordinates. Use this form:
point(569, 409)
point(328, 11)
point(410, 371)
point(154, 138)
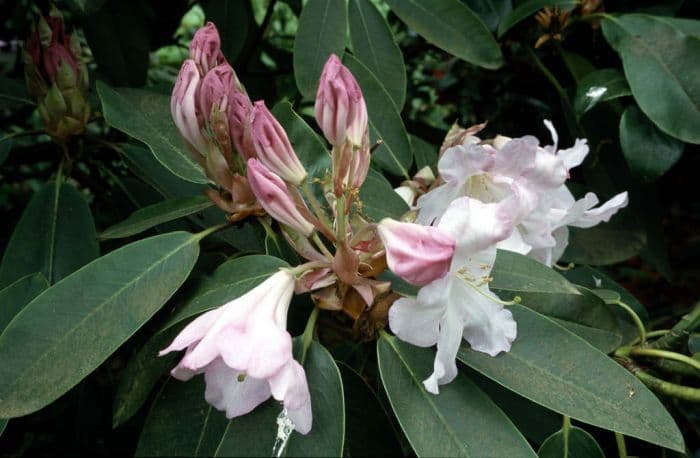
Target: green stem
point(635, 318)
point(340, 218)
point(308, 334)
point(662, 386)
point(321, 246)
point(210, 230)
point(679, 333)
point(621, 446)
point(315, 205)
point(565, 429)
point(654, 353)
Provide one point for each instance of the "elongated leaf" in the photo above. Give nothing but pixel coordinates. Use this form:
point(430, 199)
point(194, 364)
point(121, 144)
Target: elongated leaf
point(657, 58)
point(604, 244)
point(527, 9)
point(233, 19)
point(3, 425)
point(598, 87)
point(491, 12)
point(576, 443)
point(562, 372)
point(452, 26)
point(13, 93)
point(373, 45)
point(141, 375)
point(254, 434)
point(55, 236)
point(649, 152)
point(602, 339)
point(181, 423)
point(101, 306)
point(379, 200)
point(153, 215)
point(322, 28)
point(425, 153)
point(145, 115)
point(310, 149)
point(394, 154)
point(230, 280)
point(517, 273)
point(443, 425)
point(16, 296)
point(694, 343)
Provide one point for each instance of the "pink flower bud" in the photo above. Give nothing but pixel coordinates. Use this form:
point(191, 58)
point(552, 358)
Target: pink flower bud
point(418, 254)
point(240, 110)
point(272, 146)
point(216, 88)
point(48, 46)
point(184, 108)
point(340, 107)
point(205, 48)
point(274, 197)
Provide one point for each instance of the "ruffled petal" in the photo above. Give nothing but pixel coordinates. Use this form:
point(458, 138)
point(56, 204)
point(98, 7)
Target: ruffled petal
point(516, 156)
point(433, 204)
point(445, 367)
point(416, 322)
point(591, 217)
point(226, 392)
point(290, 386)
point(193, 332)
point(460, 162)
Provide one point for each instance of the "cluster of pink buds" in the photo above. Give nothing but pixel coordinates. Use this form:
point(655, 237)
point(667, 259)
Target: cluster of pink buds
point(57, 77)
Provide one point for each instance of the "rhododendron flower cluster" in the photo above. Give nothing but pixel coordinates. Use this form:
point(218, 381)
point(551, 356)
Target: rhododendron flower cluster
point(489, 194)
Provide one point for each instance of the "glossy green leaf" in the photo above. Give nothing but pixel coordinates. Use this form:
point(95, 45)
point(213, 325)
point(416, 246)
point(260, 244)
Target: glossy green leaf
point(451, 26)
point(598, 87)
point(254, 434)
point(552, 367)
point(141, 375)
point(145, 115)
point(694, 343)
point(373, 44)
point(446, 424)
point(181, 423)
point(310, 149)
point(379, 200)
point(153, 215)
point(55, 236)
point(602, 339)
point(491, 12)
point(101, 306)
point(233, 19)
point(368, 431)
point(321, 32)
point(528, 8)
point(649, 152)
point(514, 272)
point(660, 60)
point(426, 154)
point(688, 26)
point(575, 443)
point(230, 280)
point(17, 295)
point(606, 243)
point(394, 154)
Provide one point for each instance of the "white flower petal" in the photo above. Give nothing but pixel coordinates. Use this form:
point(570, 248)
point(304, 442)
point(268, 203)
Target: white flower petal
point(225, 392)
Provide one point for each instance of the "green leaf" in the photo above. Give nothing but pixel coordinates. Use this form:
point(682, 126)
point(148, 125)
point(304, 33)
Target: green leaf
point(529, 7)
point(5, 148)
point(426, 154)
point(55, 236)
point(368, 431)
point(606, 243)
point(373, 44)
point(17, 295)
point(694, 343)
point(254, 434)
point(394, 154)
point(658, 59)
point(153, 215)
point(491, 12)
point(453, 27)
point(575, 443)
point(122, 57)
point(310, 149)
point(145, 115)
point(649, 152)
point(181, 423)
point(13, 93)
point(552, 367)
point(231, 279)
point(604, 340)
point(72, 327)
point(233, 19)
point(443, 425)
point(514, 272)
point(321, 32)
point(379, 200)
point(598, 87)
point(3, 425)
point(141, 374)
point(85, 6)
point(687, 26)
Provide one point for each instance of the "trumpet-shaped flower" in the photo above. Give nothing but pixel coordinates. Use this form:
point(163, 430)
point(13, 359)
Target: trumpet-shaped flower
point(460, 305)
point(245, 353)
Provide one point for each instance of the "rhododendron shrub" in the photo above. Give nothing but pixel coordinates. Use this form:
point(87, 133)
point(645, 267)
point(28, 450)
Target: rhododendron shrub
point(330, 247)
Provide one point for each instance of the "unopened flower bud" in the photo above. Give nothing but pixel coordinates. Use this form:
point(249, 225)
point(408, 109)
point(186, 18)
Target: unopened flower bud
point(240, 110)
point(184, 109)
point(418, 254)
point(340, 107)
point(272, 146)
point(216, 87)
point(205, 48)
point(274, 197)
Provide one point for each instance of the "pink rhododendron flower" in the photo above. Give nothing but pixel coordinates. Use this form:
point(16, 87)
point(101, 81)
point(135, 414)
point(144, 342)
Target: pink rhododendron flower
point(205, 48)
point(183, 107)
point(418, 254)
point(460, 305)
point(245, 353)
